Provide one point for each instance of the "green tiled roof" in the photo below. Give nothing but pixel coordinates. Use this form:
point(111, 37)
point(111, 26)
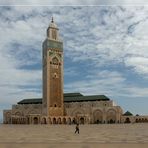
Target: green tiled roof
point(72, 95)
point(127, 114)
point(86, 98)
point(31, 101)
point(68, 97)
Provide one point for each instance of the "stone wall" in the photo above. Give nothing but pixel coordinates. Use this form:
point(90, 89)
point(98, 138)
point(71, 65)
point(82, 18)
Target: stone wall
point(90, 112)
point(95, 112)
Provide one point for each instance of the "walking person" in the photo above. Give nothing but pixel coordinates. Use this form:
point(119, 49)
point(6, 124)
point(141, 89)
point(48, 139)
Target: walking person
point(77, 128)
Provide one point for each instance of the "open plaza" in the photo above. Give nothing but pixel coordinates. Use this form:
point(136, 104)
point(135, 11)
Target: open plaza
point(63, 136)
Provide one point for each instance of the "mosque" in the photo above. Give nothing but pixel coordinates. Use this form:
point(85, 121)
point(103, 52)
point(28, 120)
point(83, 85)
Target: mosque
point(57, 107)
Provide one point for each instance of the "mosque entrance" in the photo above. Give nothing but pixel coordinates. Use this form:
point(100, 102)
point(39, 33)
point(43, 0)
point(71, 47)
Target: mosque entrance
point(64, 120)
point(44, 121)
point(81, 120)
point(35, 120)
point(127, 120)
point(54, 120)
point(111, 116)
point(98, 116)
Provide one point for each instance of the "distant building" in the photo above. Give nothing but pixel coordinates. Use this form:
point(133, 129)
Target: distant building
point(69, 108)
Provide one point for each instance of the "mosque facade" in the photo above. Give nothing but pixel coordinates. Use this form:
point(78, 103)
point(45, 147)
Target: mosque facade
point(57, 107)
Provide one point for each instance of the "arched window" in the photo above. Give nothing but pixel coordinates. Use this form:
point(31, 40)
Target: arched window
point(54, 36)
point(55, 61)
point(55, 75)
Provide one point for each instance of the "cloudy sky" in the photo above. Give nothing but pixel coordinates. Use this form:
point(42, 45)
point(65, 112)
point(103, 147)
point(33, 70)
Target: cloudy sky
point(105, 52)
point(73, 2)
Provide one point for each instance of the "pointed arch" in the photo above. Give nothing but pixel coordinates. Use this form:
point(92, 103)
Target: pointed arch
point(74, 121)
point(44, 120)
point(111, 116)
point(127, 120)
point(18, 113)
point(82, 120)
point(98, 116)
point(64, 120)
point(54, 121)
point(55, 60)
point(59, 121)
point(78, 112)
point(55, 57)
point(35, 120)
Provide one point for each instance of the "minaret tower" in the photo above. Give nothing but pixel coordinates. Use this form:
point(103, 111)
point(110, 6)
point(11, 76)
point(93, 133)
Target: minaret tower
point(52, 73)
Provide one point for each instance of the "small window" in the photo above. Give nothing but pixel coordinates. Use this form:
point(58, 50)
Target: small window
point(55, 105)
point(55, 61)
point(55, 75)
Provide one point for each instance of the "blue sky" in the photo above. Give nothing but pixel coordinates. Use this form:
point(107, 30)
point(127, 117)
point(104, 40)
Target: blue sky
point(105, 52)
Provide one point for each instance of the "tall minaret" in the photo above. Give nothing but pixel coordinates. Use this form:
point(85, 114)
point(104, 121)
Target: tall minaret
point(52, 72)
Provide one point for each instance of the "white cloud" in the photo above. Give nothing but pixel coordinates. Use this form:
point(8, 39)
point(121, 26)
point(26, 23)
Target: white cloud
point(113, 41)
point(98, 82)
point(70, 72)
point(20, 46)
point(140, 64)
point(110, 83)
point(107, 39)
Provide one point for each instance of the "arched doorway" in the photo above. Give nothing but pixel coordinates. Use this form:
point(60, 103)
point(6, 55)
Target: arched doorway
point(82, 120)
point(35, 120)
point(74, 121)
point(127, 120)
point(136, 120)
point(59, 121)
point(44, 121)
point(54, 120)
point(98, 116)
point(111, 116)
point(69, 121)
point(77, 113)
point(64, 120)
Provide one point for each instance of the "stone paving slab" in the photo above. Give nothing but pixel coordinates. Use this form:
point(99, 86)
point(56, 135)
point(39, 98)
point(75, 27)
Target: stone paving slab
point(73, 145)
point(104, 135)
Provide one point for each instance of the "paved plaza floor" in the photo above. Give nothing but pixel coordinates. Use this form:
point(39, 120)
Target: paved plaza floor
point(63, 136)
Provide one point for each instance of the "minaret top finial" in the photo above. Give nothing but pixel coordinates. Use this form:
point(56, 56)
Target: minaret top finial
point(52, 20)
